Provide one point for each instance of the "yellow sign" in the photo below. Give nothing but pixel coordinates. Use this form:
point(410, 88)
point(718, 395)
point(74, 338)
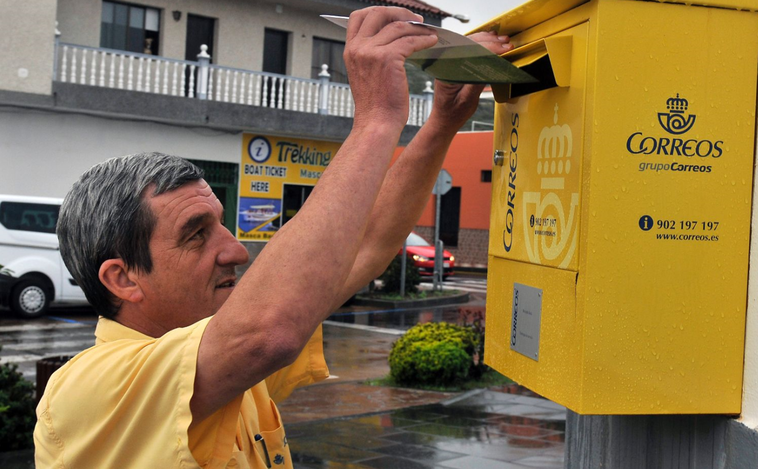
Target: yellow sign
point(276, 175)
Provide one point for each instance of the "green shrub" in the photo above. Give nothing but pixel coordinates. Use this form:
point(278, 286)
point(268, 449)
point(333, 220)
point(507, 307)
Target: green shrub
point(437, 354)
point(17, 417)
point(391, 277)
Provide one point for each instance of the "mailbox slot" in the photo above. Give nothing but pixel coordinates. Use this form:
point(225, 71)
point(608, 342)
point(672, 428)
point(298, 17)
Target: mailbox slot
point(548, 60)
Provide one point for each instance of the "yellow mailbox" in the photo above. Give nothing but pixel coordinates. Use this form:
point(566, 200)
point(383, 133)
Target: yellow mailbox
point(621, 204)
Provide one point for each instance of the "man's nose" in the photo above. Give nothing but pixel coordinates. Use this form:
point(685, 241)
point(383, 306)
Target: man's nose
point(232, 252)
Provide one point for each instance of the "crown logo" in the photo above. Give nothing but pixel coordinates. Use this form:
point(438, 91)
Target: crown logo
point(552, 204)
point(678, 105)
point(675, 122)
point(554, 153)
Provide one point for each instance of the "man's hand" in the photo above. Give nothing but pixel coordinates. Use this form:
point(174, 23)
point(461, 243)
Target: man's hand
point(379, 39)
point(454, 104)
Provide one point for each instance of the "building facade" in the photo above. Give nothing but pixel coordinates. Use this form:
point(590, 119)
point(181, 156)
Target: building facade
point(85, 80)
point(465, 209)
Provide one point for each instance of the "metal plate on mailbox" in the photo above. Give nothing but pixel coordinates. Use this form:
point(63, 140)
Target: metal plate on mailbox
point(525, 324)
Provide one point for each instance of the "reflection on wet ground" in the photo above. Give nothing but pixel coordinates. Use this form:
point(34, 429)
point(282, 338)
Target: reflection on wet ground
point(405, 318)
point(483, 429)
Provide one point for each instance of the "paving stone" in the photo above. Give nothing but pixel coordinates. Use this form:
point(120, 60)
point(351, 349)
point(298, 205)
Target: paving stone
point(386, 420)
point(389, 462)
point(358, 440)
point(318, 451)
point(470, 462)
point(318, 402)
point(544, 461)
point(559, 425)
point(418, 453)
point(412, 438)
point(500, 450)
point(474, 432)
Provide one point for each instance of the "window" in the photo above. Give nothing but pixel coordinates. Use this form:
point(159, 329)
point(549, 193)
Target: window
point(450, 217)
point(486, 175)
point(40, 218)
point(130, 28)
point(326, 51)
point(275, 45)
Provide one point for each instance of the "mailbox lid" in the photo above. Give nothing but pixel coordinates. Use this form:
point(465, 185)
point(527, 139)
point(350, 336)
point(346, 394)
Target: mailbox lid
point(534, 12)
point(556, 369)
point(536, 193)
point(529, 14)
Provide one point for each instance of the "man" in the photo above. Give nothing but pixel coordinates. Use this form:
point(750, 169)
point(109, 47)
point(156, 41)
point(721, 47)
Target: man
point(187, 360)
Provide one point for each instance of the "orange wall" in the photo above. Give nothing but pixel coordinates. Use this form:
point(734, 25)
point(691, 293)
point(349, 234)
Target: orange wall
point(469, 154)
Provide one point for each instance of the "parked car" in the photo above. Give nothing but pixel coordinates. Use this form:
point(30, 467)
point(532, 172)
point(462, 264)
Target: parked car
point(6, 282)
point(422, 254)
point(29, 252)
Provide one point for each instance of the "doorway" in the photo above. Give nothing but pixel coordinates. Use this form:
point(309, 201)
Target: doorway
point(293, 198)
point(275, 47)
point(200, 30)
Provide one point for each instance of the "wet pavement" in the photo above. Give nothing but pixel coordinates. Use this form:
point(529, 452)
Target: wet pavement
point(481, 429)
point(345, 423)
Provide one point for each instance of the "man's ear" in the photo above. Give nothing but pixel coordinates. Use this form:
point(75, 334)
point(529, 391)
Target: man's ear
point(119, 281)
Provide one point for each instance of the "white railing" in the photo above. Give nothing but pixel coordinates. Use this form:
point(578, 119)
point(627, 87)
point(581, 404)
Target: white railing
point(232, 85)
point(125, 70)
point(153, 74)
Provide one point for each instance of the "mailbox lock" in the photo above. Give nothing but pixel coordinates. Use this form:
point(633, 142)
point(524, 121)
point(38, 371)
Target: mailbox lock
point(499, 158)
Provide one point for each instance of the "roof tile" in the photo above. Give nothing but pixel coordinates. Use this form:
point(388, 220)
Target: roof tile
point(415, 5)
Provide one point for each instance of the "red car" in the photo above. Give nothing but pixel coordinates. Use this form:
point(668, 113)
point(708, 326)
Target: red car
point(422, 254)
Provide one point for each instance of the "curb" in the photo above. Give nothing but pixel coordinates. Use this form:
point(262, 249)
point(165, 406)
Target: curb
point(447, 300)
point(471, 270)
point(462, 396)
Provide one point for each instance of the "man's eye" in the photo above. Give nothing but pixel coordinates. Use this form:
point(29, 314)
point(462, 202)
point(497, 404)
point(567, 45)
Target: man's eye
point(198, 235)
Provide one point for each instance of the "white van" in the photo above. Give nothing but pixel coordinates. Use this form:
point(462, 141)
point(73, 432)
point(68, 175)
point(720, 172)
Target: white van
point(29, 252)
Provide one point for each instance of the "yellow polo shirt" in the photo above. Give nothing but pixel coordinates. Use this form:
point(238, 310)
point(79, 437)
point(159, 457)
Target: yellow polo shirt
point(125, 403)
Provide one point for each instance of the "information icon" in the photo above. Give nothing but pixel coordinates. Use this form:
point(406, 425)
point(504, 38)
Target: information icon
point(646, 222)
point(259, 149)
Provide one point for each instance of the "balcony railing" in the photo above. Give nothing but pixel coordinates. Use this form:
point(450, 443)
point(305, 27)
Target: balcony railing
point(132, 71)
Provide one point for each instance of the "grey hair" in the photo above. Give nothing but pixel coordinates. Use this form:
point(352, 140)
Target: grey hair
point(106, 216)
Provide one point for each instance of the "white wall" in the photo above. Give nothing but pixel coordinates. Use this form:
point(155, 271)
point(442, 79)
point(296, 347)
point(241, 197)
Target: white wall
point(239, 31)
point(43, 153)
point(26, 45)
point(750, 385)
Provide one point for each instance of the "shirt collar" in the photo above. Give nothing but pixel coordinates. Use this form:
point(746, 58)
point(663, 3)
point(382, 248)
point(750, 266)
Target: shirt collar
point(108, 330)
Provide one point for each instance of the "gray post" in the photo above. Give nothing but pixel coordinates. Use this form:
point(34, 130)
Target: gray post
point(429, 99)
point(659, 442)
point(403, 261)
point(439, 260)
point(323, 90)
point(204, 61)
point(55, 51)
point(437, 264)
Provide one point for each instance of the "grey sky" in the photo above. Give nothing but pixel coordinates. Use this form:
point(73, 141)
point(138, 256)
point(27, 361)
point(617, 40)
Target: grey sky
point(479, 11)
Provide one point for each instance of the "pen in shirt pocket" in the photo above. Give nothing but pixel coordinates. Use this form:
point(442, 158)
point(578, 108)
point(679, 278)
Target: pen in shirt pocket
point(259, 439)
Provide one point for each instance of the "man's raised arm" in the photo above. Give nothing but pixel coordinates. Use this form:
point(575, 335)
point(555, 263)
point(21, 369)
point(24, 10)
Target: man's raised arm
point(293, 283)
point(410, 180)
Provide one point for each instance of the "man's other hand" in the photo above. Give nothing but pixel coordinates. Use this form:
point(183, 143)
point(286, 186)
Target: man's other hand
point(379, 39)
point(454, 104)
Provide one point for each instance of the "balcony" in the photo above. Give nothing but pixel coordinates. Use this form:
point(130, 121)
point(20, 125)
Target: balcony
point(200, 80)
